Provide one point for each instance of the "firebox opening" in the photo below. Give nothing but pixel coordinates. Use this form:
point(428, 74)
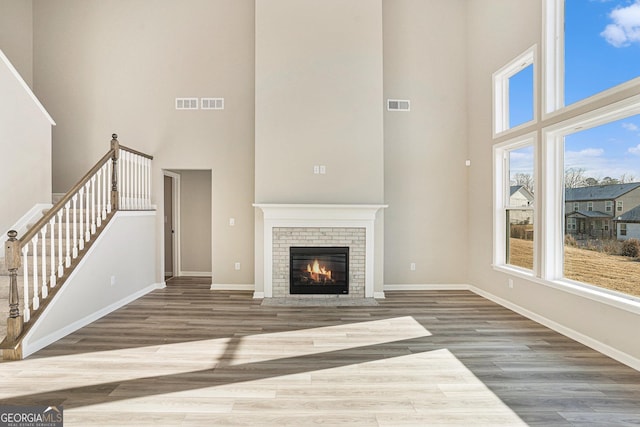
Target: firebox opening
point(319, 270)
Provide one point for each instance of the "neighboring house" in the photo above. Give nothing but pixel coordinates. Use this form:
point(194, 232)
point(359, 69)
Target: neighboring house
point(592, 211)
point(520, 196)
point(629, 224)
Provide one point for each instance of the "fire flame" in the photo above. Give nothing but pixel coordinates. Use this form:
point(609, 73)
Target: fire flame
point(317, 271)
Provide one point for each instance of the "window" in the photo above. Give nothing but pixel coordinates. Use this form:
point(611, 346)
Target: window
point(582, 154)
point(515, 196)
point(514, 88)
point(598, 36)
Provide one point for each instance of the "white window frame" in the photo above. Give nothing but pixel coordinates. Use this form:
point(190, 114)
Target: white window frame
point(501, 91)
point(552, 176)
point(576, 206)
point(553, 42)
point(501, 182)
point(619, 206)
point(608, 206)
point(623, 229)
point(590, 206)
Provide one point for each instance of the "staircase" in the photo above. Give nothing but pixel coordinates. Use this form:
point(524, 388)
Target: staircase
point(37, 264)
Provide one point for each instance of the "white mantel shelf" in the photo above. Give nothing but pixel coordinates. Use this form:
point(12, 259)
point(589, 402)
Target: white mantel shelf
point(318, 215)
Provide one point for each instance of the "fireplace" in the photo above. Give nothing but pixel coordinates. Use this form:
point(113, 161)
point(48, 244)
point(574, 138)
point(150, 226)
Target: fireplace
point(319, 270)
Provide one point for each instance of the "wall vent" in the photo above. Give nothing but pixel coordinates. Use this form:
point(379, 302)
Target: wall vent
point(398, 105)
point(212, 103)
point(186, 103)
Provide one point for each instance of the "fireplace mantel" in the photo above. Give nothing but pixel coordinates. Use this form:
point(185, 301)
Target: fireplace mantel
point(319, 215)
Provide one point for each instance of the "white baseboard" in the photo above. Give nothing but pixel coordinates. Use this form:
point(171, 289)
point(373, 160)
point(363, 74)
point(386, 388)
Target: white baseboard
point(378, 295)
point(30, 348)
point(258, 295)
point(232, 287)
point(195, 274)
point(428, 287)
point(32, 216)
point(561, 329)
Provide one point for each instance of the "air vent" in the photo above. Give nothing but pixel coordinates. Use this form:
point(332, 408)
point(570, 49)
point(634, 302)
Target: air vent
point(398, 105)
point(212, 103)
point(186, 103)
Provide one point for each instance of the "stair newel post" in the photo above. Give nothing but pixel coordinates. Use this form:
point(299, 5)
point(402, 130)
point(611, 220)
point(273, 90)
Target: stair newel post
point(115, 146)
point(12, 259)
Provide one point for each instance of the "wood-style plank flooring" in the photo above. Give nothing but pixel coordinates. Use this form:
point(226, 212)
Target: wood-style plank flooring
point(188, 356)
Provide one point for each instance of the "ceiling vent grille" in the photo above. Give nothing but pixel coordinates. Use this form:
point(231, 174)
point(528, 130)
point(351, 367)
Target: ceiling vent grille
point(212, 103)
point(186, 103)
point(398, 105)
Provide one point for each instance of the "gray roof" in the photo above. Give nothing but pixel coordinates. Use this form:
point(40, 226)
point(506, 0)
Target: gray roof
point(590, 214)
point(631, 216)
point(598, 192)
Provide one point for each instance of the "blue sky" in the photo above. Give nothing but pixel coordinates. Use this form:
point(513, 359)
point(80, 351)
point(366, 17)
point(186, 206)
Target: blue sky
point(602, 50)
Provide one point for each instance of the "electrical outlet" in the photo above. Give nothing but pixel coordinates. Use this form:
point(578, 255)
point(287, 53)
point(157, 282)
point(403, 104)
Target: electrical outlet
point(232, 221)
point(316, 169)
point(113, 280)
point(510, 283)
point(323, 169)
point(237, 266)
point(412, 266)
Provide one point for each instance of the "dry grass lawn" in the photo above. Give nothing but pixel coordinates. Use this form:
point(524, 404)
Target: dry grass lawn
point(613, 272)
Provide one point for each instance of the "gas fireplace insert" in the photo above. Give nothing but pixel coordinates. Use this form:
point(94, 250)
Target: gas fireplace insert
point(319, 270)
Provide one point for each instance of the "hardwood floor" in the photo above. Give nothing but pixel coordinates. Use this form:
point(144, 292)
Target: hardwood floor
point(189, 356)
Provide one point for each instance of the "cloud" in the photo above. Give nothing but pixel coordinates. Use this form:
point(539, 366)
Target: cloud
point(635, 150)
point(625, 27)
point(630, 127)
point(587, 152)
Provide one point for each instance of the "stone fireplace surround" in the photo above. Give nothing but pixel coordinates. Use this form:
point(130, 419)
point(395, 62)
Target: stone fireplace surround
point(288, 225)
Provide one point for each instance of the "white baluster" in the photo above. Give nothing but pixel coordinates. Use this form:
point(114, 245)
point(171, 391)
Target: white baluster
point(124, 179)
point(45, 289)
point(87, 234)
point(74, 252)
point(105, 188)
point(60, 253)
point(148, 174)
point(121, 178)
point(93, 204)
point(98, 190)
point(109, 178)
point(67, 260)
point(52, 226)
point(25, 266)
point(81, 223)
point(36, 300)
point(138, 182)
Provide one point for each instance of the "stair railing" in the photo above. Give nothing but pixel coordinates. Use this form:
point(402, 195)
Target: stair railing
point(120, 180)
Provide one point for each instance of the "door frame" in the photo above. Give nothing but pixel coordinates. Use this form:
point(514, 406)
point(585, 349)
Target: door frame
point(175, 214)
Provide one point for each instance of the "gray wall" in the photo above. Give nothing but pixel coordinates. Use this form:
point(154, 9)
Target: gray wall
point(105, 66)
point(426, 148)
point(319, 101)
point(195, 218)
point(16, 35)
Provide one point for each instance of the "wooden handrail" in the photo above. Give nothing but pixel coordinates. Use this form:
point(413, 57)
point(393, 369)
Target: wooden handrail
point(26, 237)
point(131, 150)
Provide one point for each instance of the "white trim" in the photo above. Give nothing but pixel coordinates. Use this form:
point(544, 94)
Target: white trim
point(378, 295)
point(258, 295)
point(501, 91)
point(427, 287)
point(175, 215)
point(232, 287)
point(26, 87)
point(601, 347)
point(32, 216)
point(319, 215)
point(195, 274)
point(30, 348)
